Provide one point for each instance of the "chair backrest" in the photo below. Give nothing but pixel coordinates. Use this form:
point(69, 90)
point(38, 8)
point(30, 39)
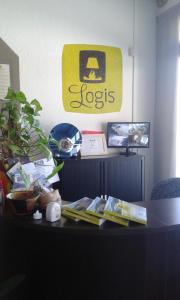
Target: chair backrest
point(13, 288)
point(168, 188)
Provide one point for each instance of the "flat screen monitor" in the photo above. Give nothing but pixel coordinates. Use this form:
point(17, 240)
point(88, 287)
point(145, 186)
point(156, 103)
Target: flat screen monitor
point(128, 135)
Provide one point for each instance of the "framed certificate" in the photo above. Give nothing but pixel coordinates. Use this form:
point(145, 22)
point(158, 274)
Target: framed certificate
point(93, 144)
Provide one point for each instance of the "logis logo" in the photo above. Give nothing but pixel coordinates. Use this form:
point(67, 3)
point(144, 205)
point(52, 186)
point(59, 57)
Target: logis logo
point(92, 66)
point(91, 78)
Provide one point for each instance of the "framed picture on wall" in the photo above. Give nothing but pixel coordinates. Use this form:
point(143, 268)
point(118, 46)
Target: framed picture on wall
point(93, 144)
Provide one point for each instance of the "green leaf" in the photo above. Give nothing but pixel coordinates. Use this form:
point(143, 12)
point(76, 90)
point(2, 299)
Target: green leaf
point(30, 119)
point(15, 149)
point(10, 94)
point(45, 150)
point(37, 105)
point(20, 96)
point(25, 136)
point(55, 170)
point(24, 139)
point(25, 177)
point(2, 120)
point(37, 129)
point(27, 109)
point(36, 124)
point(42, 138)
point(12, 134)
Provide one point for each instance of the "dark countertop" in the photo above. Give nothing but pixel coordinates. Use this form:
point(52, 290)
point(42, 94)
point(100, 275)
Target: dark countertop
point(162, 215)
point(64, 259)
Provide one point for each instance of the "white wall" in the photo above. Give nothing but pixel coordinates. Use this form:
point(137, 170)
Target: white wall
point(144, 77)
point(37, 31)
point(165, 110)
point(168, 5)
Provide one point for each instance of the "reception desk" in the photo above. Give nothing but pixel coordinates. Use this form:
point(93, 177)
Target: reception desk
point(65, 260)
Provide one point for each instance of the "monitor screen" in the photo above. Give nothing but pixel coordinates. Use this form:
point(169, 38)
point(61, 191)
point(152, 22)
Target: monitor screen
point(128, 134)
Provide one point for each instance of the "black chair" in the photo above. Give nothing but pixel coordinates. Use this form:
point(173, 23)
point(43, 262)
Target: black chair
point(13, 280)
point(13, 288)
point(167, 188)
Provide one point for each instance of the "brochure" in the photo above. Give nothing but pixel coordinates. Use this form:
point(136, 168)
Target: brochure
point(117, 220)
point(87, 218)
point(96, 207)
point(24, 175)
point(70, 215)
point(79, 206)
point(126, 210)
point(78, 210)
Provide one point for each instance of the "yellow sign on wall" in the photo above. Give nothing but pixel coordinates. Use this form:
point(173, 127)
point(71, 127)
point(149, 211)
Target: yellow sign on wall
point(92, 79)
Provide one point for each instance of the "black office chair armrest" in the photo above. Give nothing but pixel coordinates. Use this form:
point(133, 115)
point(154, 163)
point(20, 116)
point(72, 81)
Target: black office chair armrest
point(10, 288)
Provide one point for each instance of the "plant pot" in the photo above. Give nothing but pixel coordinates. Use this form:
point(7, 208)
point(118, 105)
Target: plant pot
point(22, 202)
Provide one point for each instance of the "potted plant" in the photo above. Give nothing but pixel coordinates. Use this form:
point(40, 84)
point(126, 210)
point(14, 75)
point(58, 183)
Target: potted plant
point(21, 137)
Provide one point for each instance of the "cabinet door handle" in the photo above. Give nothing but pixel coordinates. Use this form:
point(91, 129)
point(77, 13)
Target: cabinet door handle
point(101, 179)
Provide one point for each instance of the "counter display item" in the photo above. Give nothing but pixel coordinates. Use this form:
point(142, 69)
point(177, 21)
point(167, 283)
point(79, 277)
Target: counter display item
point(53, 212)
point(123, 209)
point(78, 211)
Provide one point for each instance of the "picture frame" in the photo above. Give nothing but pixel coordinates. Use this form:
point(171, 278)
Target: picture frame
point(93, 144)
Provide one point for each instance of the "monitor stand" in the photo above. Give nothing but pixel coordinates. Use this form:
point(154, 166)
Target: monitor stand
point(127, 152)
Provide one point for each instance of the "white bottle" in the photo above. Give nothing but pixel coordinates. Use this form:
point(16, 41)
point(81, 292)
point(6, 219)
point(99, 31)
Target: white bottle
point(37, 215)
point(53, 212)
